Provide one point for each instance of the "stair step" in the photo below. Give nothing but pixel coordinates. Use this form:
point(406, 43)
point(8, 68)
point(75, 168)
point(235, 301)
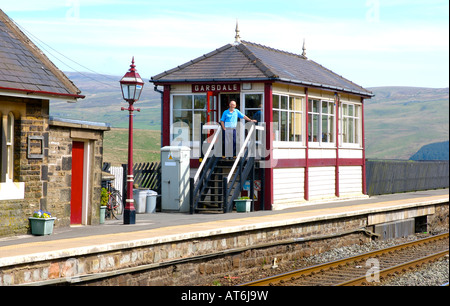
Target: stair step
point(209, 209)
point(210, 201)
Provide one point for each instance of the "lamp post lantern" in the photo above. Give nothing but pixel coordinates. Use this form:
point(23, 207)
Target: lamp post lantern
point(131, 85)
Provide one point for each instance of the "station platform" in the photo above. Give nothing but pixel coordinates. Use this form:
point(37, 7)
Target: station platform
point(170, 227)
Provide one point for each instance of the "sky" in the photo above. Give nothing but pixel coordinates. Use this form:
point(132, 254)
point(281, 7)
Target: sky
point(370, 42)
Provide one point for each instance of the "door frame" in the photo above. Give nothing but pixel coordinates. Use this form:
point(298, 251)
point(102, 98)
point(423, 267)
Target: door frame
point(85, 197)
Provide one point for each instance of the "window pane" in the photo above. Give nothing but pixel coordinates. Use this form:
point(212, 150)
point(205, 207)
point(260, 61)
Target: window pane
point(182, 125)
point(253, 101)
point(9, 128)
point(276, 127)
point(199, 117)
point(324, 107)
point(255, 114)
point(200, 102)
point(344, 110)
point(283, 126)
point(310, 127)
point(350, 130)
point(253, 107)
point(276, 101)
point(284, 104)
point(298, 104)
point(315, 127)
point(330, 129)
point(350, 110)
point(324, 129)
point(295, 130)
point(356, 140)
point(344, 129)
point(182, 102)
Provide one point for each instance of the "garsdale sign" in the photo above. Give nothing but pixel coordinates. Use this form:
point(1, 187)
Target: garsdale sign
point(229, 87)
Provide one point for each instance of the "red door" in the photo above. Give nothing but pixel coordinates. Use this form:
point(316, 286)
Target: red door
point(211, 110)
point(76, 202)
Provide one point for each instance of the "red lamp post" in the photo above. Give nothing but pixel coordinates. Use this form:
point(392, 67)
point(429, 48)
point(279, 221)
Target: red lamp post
point(131, 85)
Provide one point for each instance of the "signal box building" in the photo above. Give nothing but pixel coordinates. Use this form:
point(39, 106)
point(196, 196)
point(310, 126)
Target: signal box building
point(314, 118)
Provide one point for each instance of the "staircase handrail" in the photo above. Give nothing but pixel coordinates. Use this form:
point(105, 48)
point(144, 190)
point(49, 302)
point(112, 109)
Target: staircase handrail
point(208, 152)
point(245, 160)
point(241, 152)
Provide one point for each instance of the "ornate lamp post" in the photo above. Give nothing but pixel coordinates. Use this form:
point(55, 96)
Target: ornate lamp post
point(131, 85)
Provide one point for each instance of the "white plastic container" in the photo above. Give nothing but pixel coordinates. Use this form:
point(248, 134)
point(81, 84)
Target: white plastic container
point(150, 203)
point(140, 198)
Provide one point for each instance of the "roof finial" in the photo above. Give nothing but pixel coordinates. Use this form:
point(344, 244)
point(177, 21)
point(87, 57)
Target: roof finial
point(237, 38)
point(304, 48)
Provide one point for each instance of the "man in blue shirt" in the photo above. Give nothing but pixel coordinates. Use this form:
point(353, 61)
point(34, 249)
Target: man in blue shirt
point(229, 122)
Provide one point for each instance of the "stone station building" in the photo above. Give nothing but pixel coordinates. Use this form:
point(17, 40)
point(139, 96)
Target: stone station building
point(45, 163)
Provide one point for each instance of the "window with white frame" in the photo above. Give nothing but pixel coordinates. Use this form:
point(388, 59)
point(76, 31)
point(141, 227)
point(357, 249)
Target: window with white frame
point(7, 143)
point(287, 118)
point(254, 106)
point(350, 123)
point(189, 111)
point(321, 121)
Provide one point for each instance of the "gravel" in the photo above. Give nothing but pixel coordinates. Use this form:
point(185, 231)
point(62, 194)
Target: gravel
point(433, 274)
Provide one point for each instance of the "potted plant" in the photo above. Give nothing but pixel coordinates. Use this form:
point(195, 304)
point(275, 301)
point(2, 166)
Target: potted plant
point(103, 204)
point(243, 204)
point(41, 223)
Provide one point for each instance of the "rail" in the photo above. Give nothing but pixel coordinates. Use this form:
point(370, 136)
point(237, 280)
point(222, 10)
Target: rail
point(333, 267)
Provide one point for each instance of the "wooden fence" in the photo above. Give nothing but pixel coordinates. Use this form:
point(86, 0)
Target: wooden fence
point(394, 176)
point(146, 175)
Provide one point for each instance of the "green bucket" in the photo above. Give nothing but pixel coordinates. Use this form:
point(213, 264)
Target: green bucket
point(243, 205)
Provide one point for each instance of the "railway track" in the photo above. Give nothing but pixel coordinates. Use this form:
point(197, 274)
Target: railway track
point(364, 269)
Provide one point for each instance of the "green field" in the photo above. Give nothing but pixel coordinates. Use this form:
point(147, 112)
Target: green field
point(400, 120)
point(146, 146)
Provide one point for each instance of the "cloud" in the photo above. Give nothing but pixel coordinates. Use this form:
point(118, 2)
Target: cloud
point(163, 40)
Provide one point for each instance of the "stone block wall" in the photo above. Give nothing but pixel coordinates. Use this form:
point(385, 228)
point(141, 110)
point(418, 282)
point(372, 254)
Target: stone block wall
point(31, 119)
point(59, 175)
point(62, 134)
point(47, 176)
point(165, 261)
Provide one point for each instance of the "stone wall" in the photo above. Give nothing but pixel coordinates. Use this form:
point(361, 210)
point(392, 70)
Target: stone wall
point(31, 119)
point(165, 260)
point(194, 261)
point(59, 175)
point(47, 178)
point(61, 137)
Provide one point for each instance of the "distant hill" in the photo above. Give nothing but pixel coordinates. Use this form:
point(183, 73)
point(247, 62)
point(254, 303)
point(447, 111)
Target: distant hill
point(104, 100)
point(433, 151)
point(398, 120)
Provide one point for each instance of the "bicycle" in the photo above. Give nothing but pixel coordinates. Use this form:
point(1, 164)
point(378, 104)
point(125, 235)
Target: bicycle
point(114, 206)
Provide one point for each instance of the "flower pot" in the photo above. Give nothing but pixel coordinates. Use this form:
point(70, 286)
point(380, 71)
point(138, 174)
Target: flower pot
point(243, 205)
point(41, 226)
point(102, 214)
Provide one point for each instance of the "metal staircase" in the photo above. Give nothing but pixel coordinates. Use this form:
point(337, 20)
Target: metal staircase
point(218, 181)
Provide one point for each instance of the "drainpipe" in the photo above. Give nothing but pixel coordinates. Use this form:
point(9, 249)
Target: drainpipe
point(162, 109)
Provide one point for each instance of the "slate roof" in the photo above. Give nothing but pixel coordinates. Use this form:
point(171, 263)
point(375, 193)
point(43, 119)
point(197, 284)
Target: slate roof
point(253, 62)
point(24, 68)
